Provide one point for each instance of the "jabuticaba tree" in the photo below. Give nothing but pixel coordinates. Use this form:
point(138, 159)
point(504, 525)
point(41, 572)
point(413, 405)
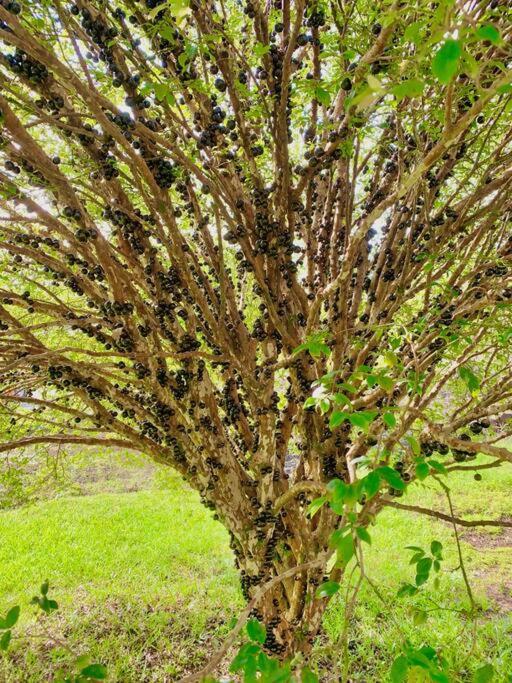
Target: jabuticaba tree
point(266, 243)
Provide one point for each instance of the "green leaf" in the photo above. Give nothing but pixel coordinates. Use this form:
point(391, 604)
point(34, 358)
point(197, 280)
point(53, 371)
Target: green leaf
point(417, 557)
point(469, 378)
point(363, 418)
point(363, 534)
point(371, 380)
point(315, 345)
point(489, 32)
point(422, 470)
point(436, 548)
point(392, 477)
point(5, 640)
point(424, 566)
point(11, 617)
point(337, 418)
point(307, 676)
point(446, 60)
point(160, 90)
point(407, 589)
point(438, 466)
point(44, 587)
point(95, 672)
point(324, 404)
point(413, 443)
point(337, 490)
point(399, 669)
point(256, 631)
point(346, 548)
point(375, 84)
point(260, 49)
point(413, 32)
point(315, 506)
point(419, 617)
point(385, 382)
point(348, 387)
point(389, 420)
point(371, 484)
point(245, 654)
point(410, 88)
point(484, 674)
point(323, 96)
point(167, 32)
point(327, 589)
point(342, 400)
point(421, 579)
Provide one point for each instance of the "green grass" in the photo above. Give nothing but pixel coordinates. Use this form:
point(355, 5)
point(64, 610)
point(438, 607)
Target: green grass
point(146, 584)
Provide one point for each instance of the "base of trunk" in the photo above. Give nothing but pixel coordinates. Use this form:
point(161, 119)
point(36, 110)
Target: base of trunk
point(291, 628)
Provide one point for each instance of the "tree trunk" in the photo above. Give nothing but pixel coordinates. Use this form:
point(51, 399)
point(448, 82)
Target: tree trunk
point(276, 545)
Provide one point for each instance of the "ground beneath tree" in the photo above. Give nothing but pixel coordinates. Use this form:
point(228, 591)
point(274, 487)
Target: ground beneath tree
point(146, 584)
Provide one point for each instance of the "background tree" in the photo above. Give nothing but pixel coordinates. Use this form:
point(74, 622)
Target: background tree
point(267, 244)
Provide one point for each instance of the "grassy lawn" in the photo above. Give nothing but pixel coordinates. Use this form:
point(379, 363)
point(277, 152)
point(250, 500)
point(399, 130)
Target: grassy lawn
point(146, 584)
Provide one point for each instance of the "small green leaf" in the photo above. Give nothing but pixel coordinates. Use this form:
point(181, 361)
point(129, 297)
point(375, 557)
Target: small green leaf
point(438, 466)
point(484, 674)
point(363, 534)
point(422, 470)
point(424, 566)
point(421, 579)
point(385, 382)
point(469, 378)
point(413, 32)
point(399, 669)
point(337, 418)
point(363, 418)
point(342, 400)
point(371, 484)
point(327, 589)
point(315, 506)
point(307, 676)
point(323, 96)
point(160, 90)
point(446, 60)
point(410, 88)
point(337, 489)
point(392, 477)
point(245, 654)
point(324, 404)
point(261, 49)
point(94, 672)
point(407, 589)
point(5, 640)
point(256, 631)
point(419, 617)
point(11, 618)
point(44, 587)
point(489, 32)
point(346, 548)
point(413, 443)
point(375, 84)
point(436, 548)
point(417, 557)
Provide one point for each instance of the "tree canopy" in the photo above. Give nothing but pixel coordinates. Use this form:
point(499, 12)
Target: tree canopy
point(269, 244)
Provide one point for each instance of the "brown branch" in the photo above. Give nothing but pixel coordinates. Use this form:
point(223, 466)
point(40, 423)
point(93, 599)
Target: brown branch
point(447, 518)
